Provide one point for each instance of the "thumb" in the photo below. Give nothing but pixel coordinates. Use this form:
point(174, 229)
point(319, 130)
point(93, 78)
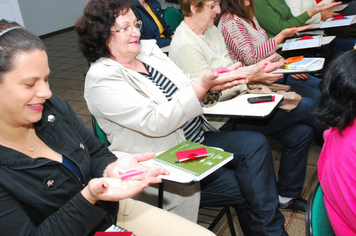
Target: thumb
point(98, 186)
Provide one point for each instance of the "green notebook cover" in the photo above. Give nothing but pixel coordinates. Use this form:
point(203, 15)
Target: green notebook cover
point(194, 169)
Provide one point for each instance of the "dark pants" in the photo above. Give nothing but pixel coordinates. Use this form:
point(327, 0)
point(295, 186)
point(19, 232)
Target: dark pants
point(306, 88)
point(246, 183)
point(295, 130)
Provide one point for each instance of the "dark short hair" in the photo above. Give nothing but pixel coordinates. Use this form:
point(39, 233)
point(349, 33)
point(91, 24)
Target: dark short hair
point(15, 39)
point(94, 27)
point(236, 7)
point(185, 6)
point(337, 103)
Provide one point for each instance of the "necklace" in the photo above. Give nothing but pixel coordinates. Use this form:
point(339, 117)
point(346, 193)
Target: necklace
point(17, 147)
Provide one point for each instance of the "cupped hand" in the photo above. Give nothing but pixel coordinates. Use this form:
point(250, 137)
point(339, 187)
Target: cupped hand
point(113, 189)
point(262, 71)
point(289, 32)
point(132, 162)
point(218, 82)
point(324, 15)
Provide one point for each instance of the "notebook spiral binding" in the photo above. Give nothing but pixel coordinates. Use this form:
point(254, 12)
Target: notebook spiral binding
point(174, 168)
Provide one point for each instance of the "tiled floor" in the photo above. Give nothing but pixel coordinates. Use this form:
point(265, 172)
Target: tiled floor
point(67, 69)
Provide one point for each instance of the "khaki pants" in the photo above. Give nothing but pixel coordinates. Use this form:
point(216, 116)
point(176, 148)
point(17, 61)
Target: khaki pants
point(146, 220)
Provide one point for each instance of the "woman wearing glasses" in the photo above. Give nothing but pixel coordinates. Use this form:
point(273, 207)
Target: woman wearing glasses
point(143, 101)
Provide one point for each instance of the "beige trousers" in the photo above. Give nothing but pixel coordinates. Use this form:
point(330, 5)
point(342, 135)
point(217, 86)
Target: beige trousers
point(146, 220)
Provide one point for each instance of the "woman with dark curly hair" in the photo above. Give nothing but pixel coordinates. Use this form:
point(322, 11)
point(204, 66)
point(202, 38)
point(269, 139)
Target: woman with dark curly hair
point(337, 162)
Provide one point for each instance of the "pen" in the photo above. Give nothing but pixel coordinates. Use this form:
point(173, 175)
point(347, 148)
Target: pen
point(194, 157)
point(129, 173)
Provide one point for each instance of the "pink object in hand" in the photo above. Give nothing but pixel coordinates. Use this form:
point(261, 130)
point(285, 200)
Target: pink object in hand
point(129, 173)
point(221, 70)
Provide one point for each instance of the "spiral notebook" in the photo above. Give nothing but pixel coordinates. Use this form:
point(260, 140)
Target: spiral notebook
point(192, 170)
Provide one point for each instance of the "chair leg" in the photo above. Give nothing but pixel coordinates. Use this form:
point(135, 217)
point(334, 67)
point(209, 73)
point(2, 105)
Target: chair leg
point(226, 210)
point(217, 219)
point(229, 219)
point(160, 195)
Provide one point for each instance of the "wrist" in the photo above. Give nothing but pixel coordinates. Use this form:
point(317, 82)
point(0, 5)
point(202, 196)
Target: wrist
point(212, 97)
point(105, 172)
point(87, 195)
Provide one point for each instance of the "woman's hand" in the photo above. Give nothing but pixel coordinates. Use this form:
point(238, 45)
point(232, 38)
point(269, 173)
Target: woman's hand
point(132, 162)
point(300, 76)
point(262, 71)
point(113, 189)
point(220, 82)
point(324, 15)
point(319, 9)
point(289, 32)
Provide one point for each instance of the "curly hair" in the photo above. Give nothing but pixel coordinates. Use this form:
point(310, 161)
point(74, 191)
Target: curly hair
point(337, 104)
point(94, 27)
point(15, 39)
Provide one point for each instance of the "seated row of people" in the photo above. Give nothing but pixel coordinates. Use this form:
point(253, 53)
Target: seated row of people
point(143, 101)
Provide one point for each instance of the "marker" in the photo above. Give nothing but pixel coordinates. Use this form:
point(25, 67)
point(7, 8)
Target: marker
point(194, 157)
point(130, 173)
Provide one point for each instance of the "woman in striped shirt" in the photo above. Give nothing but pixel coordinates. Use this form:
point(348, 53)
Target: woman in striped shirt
point(247, 42)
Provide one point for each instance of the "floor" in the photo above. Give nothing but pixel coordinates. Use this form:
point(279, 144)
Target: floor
point(68, 67)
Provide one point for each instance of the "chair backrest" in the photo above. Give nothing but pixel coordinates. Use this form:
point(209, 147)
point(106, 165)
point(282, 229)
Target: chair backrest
point(98, 132)
point(316, 217)
point(173, 17)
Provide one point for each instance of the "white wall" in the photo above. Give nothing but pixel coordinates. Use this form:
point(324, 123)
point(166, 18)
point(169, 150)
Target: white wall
point(10, 10)
point(47, 16)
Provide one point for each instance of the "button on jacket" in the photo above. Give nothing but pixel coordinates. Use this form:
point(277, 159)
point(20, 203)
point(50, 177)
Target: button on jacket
point(39, 196)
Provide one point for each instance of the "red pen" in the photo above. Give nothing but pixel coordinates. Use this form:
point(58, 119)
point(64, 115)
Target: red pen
point(194, 157)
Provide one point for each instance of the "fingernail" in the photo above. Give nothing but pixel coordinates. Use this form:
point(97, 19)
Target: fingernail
point(103, 185)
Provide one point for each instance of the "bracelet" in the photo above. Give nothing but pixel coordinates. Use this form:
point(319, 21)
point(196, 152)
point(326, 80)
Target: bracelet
point(212, 96)
point(105, 174)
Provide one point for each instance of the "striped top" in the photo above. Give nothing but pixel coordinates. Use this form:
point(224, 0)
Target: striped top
point(193, 130)
point(245, 43)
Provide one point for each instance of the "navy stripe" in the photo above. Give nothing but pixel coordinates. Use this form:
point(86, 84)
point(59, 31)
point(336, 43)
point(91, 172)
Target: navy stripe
point(193, 128)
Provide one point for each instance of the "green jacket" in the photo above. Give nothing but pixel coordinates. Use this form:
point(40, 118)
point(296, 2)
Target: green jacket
point(275, 15)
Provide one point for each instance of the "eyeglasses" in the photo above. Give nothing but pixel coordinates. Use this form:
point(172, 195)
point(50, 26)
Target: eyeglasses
point(214, 6)
point(127, 29)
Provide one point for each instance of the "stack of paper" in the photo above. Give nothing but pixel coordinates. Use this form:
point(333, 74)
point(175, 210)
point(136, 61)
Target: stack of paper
point(305, 64)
